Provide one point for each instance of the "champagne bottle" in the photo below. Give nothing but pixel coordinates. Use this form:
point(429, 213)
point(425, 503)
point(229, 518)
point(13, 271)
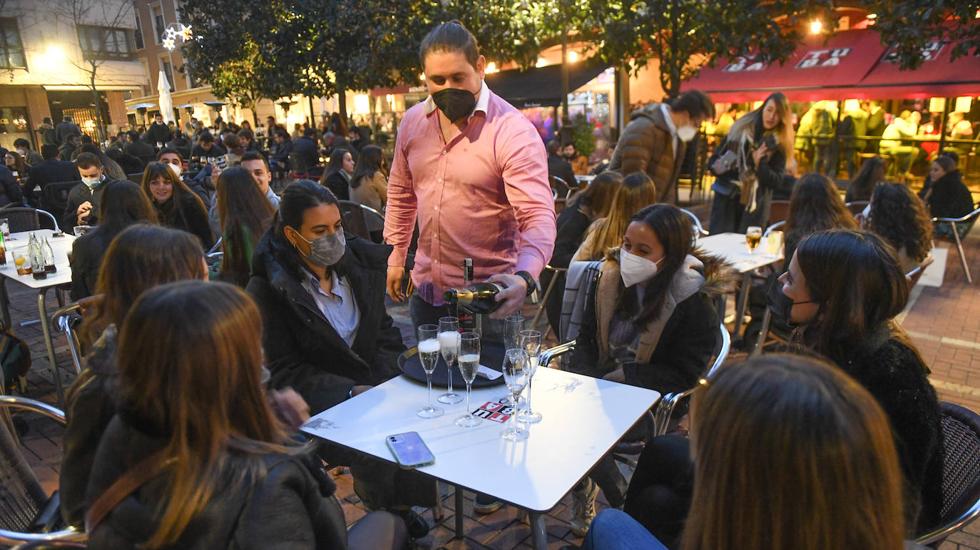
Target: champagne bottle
point(478, 297)
point(467, 319)
point(37, 258)
point(49, 265)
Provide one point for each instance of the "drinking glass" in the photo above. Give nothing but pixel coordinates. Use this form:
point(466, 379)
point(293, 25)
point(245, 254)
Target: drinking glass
point(428, 349)
point(531, 344)
point(469, 365)
point(513, 325)
point(774, 244)
point(515, 376)
point(5, 227)
point(753, 236)
point(449, 347)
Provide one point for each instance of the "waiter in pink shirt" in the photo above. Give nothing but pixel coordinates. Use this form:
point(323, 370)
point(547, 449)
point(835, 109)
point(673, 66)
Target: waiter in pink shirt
point(474, 173)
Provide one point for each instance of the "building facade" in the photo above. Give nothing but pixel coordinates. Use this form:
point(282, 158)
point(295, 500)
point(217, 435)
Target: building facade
point(49, 50)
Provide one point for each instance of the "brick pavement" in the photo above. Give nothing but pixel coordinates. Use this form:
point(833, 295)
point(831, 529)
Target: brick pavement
point(943, 322)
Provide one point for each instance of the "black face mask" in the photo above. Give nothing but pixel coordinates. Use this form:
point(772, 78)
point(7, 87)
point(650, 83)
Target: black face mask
point(454, 103)
point(780, 304)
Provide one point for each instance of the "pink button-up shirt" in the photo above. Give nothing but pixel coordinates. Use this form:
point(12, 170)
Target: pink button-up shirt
point(484, 195)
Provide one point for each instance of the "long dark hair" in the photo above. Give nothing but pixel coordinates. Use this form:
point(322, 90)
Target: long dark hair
point(336, 163)
point(206, 413)
point(182, 198)
point(855, 278)
point(900, 217)
point(368, 162)
point(815, 206)
point(298, 197)
point(597, 197)
point(806, 482)
point(245, 214)
point(123, 204)
point(676, 234)
point(863, 184)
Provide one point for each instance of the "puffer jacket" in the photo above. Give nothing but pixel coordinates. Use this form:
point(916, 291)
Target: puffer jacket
point(648, 146)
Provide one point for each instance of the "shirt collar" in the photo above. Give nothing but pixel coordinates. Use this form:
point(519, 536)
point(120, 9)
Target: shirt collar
point(335, 285)
point(482, 102)
point(668, 120)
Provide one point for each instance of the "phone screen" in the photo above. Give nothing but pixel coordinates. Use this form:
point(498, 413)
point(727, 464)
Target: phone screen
point(409, 449)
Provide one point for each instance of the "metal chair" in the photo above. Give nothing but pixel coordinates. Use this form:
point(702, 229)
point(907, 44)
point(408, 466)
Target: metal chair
point(668, 403)
point(23, 503)
point(562, 190)
point(913, 276)
point(24, 218)
point(54, 196)
point(774, 227)
point(971, 218)
point(216, 247)
point(698, 228)
point(68, 319)
point(556, 273)
point(961, 472)
point(856, 207)
point(355, 218)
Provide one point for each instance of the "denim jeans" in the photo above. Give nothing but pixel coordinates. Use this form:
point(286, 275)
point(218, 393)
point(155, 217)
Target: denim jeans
point(616, 530)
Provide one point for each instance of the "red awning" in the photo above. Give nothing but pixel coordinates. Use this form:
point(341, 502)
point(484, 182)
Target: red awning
point(936, 77)
point(820, 69)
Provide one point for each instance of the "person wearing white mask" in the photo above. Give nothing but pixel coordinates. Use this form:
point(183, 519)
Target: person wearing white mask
point(84, 199)
point(652, 324)
point(655, 140)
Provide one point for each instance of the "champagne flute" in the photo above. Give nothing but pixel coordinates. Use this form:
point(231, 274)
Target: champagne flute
point(515, 376)
point(531, 344)
point(469, 364)
point(449, 347)
point(753, 236)
point(513, 325)
point(428, 349)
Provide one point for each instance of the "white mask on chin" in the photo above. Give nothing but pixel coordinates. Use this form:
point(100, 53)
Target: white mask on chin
point(686, 133)
point(635, 269)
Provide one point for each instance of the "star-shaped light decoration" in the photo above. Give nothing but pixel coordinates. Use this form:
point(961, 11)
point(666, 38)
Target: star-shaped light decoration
point(169, 43)
point(185, 33)
point(170, 33)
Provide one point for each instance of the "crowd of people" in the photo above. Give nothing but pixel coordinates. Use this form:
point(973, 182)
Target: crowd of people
point(220, 314)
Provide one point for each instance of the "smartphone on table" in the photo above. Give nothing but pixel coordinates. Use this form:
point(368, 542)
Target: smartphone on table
point(409, 450)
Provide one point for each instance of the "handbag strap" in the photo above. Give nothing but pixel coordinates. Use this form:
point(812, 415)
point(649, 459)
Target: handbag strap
point(147, 469)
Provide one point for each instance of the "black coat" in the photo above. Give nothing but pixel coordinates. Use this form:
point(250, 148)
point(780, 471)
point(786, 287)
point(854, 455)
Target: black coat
point(10, 191)
point(158, 133)
point(302, 349)
point(895, 375)
point(306, 153)
point(290, 506)
point(950, 198)
point(79, 194)
point(215, 151)
point(141, 150)
point(339, 185)
point(191, 216)
point(50, 171)
point(572, 225)
point(560, 167)
point(65, 129)
point(727, 213)
point(86, 259)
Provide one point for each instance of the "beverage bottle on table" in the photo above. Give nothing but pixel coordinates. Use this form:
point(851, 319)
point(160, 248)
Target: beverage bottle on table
point(3, 250)
point(37, 258)
point(49, 266)
point(479, 298)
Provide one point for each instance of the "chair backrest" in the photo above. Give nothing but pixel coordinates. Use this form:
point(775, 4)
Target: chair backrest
point(135, 177)
point(856, 207)
point(698, 229)
point(358, 219)
point(961, 471)
point(54, 197)
point(778, 226)
point(778, 211)
point(561, 187)
point(20, 218)
point(21, 495)
point(581, 282)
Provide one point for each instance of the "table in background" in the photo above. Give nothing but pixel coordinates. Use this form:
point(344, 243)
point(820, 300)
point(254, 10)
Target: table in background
point(582, 419)
point(732, 248)
point(61, 246)
point(584, 179)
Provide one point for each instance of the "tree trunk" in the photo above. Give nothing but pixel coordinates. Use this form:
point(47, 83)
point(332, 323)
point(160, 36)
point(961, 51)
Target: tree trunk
point(342, 106)
point(100, 128)
point(564, 76)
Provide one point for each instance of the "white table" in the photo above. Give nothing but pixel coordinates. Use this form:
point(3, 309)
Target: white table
point(582, 419)
point(732, 248)
point(61, 246)
point(584, 179)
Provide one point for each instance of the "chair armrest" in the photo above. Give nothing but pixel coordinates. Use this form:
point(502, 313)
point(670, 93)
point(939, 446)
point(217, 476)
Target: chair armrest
point(32, 405)
point(66, 538)
point(545, 357)
point(960, 219)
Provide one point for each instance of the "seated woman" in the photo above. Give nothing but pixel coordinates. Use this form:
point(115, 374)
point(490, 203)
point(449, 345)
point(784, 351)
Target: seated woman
point(325, 328)
point(636, 192)
point(814, 206)
point(582, 209)
point(140, 258)
point(214, 468)
point(872, 173)
point(369, 187)
point(805, 481)
point(843, 289)
point(245, 215)
point(899, 217)
point(948, 197)
point(336, 177)
point(653, 321)
point(123, 205)
point(175, 204)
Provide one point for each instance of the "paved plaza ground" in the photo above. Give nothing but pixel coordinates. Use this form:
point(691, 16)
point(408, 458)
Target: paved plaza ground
point(943, 322)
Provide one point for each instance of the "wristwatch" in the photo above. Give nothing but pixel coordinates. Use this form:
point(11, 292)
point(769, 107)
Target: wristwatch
point(532, 284)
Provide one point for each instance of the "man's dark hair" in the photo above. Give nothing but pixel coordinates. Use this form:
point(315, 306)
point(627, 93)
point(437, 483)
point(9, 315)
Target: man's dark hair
point(255, 155)
point(49, 151)
point(695, 103)
point(170, 151)
point(451, 36)
point(90, 148)
point(553, 147)
point(21, 142)
point(247, 134)
point(206, 137)
point(133, 136)
point(88, 160)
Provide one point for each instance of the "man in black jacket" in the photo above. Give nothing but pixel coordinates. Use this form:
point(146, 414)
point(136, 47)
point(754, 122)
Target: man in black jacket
point(85, 199)
point(139, 149)
point(206, 147)
point(305, 151)
point(65, 129)
point(159, 132)
point(52, 169)
point(559, 167)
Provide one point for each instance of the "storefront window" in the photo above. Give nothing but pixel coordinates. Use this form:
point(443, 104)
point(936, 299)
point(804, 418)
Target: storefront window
point(11, 48)
point(13, 126)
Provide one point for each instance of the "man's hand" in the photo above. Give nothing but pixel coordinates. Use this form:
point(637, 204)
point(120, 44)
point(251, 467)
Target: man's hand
point(394, 283)
point(357, 390)
point(290, 407)
point(512, 296)
point(759, 153)
point(81, 215)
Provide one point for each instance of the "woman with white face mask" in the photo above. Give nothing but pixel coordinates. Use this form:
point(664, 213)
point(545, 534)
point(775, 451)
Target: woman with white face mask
point(748, 164)
point(653, 322)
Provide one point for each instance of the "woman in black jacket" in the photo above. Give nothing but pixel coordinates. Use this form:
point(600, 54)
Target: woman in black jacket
point(337, 176)
point(123, 204)
point(947, 197)
point(175, 204)
point(749, 164)
point(216, 468)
